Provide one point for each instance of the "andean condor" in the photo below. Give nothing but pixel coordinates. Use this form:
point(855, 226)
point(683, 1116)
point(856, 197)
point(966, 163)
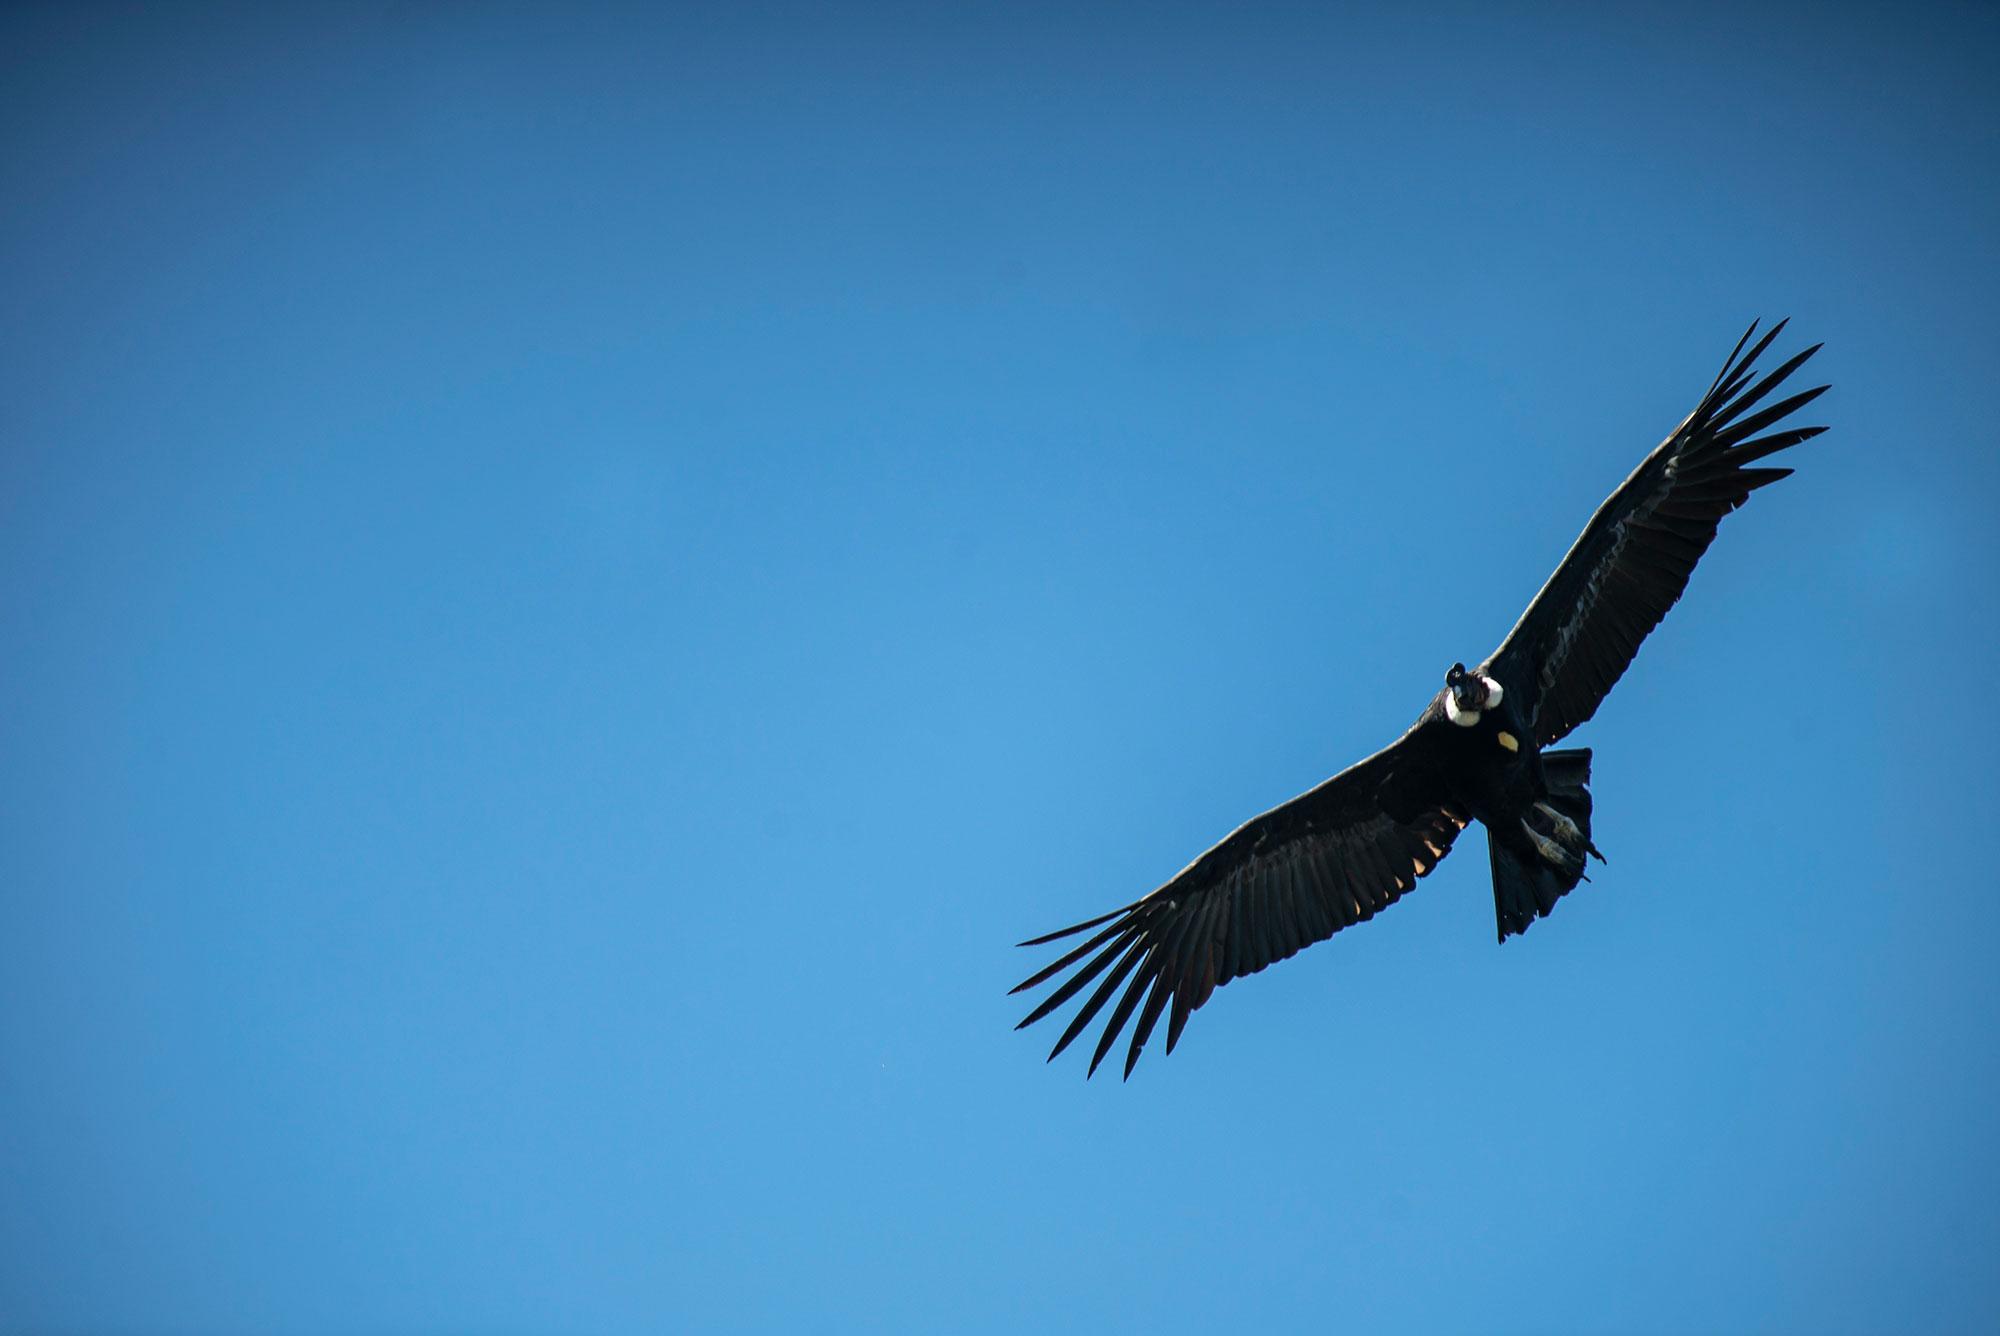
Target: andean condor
point(1335, 855)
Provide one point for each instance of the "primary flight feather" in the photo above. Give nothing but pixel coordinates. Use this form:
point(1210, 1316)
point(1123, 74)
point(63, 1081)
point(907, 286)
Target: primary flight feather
point(1338, 853)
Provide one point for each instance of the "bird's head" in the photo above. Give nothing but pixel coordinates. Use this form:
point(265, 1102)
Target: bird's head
point(1465, 689)
point(1470, 692)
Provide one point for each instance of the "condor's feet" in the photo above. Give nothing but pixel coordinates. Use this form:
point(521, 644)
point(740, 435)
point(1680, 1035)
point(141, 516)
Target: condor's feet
point(1560, 841)
point(1559, 826)
point(1554, 854)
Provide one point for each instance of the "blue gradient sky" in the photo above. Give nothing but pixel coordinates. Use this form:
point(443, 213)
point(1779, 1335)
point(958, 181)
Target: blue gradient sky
point(570, 582)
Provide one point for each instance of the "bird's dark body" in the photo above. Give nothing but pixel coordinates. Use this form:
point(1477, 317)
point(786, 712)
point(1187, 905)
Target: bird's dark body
point(1482, 777)
point(1494, 784)
point(1488, 771)
point(1480, 751)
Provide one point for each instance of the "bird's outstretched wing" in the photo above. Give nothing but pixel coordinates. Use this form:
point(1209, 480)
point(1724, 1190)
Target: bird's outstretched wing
point(1282, 881)
point(1634, 557)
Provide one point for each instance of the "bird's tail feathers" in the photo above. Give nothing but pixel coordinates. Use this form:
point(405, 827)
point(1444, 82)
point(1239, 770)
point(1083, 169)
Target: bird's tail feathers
point(1534, 868)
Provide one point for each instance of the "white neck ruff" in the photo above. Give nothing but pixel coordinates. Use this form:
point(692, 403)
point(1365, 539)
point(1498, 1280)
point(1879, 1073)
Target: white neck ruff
point(1495, 693)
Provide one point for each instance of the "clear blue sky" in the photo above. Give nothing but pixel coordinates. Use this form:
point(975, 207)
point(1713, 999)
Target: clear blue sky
point(570, 582)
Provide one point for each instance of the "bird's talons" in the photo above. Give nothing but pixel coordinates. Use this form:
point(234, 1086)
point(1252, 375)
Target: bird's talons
point(1551, 851)
point(1563, 828)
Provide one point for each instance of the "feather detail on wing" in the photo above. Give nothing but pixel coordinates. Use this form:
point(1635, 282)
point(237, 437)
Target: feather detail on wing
point(1280, 882)
point(1634, 557)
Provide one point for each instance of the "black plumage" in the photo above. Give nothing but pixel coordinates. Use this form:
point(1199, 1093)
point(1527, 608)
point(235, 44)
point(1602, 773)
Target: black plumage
point(1339, 853)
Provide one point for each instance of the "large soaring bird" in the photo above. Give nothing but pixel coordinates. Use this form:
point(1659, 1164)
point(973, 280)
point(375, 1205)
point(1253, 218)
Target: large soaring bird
point(1335, 855)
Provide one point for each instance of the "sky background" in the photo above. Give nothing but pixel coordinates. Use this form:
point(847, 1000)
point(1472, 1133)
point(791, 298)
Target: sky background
point(570, 582)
